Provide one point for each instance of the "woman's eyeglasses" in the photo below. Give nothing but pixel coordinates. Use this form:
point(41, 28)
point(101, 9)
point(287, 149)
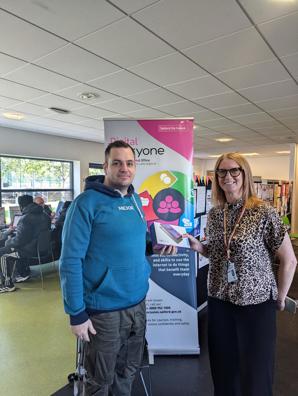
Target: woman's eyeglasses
point(234, 172)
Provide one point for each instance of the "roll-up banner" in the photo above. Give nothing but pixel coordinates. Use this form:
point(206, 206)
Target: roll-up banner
point(164, 152)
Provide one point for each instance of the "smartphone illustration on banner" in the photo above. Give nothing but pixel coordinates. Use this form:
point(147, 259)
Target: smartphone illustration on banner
point(171, 232)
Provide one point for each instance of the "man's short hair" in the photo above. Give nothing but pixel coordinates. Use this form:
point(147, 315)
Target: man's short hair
point(117, 144)
point(25, 200)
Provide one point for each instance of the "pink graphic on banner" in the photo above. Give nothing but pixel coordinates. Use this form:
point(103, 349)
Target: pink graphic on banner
point(176, 134)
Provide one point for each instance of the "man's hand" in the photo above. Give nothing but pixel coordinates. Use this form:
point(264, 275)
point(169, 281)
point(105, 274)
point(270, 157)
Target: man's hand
point(82, 330)
point(166, 251)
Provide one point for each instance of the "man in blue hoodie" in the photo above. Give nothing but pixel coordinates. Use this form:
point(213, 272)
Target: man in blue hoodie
point(104, 273)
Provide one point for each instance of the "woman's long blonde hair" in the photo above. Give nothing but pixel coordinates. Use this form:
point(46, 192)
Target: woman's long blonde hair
point(248, 190)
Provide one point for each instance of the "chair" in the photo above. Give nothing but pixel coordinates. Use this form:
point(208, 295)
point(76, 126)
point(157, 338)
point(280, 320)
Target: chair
point(44, 252)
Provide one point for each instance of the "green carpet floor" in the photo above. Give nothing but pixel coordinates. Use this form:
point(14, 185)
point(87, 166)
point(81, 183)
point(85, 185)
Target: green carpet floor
point(37, 349)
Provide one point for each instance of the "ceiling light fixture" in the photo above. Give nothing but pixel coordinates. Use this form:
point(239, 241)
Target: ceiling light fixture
point(88, 95)
point(283, 152)
point(224, 140)
point(59, 110)
point(214, 156)
point(250, 154)
point(13, 116)
point(283, 1)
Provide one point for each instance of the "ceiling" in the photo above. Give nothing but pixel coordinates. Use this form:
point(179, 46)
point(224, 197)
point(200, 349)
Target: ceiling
point(230, 64)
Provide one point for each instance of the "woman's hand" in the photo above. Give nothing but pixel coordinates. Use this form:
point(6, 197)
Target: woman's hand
point(280, 304)
point(196, 245)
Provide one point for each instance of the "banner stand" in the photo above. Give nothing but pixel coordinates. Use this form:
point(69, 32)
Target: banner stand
point(164, 152)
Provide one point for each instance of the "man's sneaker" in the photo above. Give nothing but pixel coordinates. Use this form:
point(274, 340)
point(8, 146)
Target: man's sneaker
point(10, 287)
point(3, 289)
point(20, 278)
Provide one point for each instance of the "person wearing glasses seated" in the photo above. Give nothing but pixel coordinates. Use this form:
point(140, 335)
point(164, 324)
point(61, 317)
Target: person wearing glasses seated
point(243, 236)
point(23, 244)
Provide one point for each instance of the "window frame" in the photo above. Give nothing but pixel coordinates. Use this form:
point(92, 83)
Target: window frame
point(32, 190)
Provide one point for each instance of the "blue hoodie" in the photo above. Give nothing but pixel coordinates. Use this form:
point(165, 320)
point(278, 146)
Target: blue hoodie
point(103, 266)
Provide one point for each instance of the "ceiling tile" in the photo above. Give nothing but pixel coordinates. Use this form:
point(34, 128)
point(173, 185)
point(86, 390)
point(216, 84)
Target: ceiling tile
point(253, 75)
point(30, 108)
point(75, 92)
point(51, 100)
point(285, 113)
point(27, 42)
point(199, 21)
point(291, 62)
point(268, 91)
point(7, 64)
point(218, 123)
point(71, 118)
point(282, 34)
point(122, 83)
point(279, 103)
point(131, 6)
point(121, 105)
point(181, 108)
point(70, 19)
point(246, 108)
point(273, 131)
point(155, 98)
point(221, 100)
point(257, 126)
point(114, 43)
point(71, 61)
point(265, 10)
point(37, 77)
point(234, 129)
point(194, 89)
point(207, 115)
point(17, 91)
point(93, 112)
point(147, 113)
point(7, 102)
point(169, 69)
point(251, 118)
point(96, 124)
point(200, 131)
point(238, 49)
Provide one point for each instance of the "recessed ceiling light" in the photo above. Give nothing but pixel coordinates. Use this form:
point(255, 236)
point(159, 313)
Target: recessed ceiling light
point(214, 156)
point(283, 152)
point(13, 116)
point(59, 110)
point(250, 154)
point(224, 140)
point(283, 1)
point(88, 95)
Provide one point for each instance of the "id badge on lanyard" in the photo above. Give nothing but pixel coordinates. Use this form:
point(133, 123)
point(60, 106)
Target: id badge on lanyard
point(231, 272)
point(230, 267)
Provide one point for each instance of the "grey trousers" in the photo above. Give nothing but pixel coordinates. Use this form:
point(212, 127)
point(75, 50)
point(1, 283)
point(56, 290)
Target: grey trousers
point(115, 353)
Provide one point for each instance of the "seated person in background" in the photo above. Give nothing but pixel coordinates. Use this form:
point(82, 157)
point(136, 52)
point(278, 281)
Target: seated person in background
point(23, 244)
point(40, 201)
point(57, 231)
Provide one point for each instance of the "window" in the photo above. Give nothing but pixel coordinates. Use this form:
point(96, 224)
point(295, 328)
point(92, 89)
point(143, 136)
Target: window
point(53, 180)
point(95, 169)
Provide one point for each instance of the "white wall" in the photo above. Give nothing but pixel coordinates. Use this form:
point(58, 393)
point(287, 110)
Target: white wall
point(267, 167)
point(32, 144)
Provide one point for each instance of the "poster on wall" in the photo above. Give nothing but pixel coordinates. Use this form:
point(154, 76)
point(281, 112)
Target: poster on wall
point(164, 152)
